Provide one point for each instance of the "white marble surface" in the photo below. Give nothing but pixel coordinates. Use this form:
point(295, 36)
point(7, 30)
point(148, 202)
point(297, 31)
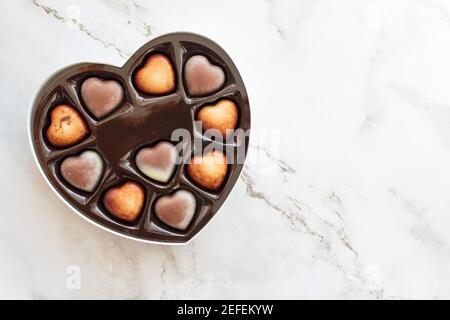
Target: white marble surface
point(348, 198)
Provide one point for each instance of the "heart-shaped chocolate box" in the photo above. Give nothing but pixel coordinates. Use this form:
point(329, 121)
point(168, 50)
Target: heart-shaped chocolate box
point(140, 121)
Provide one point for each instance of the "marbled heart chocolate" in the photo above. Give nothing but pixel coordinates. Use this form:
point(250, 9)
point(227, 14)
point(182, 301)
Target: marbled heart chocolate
point(114, 160)
point(158, 162)
point(83, 171)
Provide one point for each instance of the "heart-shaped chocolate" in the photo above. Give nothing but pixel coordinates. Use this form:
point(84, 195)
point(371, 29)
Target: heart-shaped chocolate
point(101, 97)
point(156, 77)
point(128, 160)
point(126, 201)
point(176, 210)
point(67, 127)
point(83, 171)
point(202, 77)
point(222, 116)
point(157, 162)
point(208, 170)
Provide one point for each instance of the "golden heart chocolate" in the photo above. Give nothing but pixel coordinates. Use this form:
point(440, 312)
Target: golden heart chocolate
point(156, 76)
point(66, 127)
point(125, 202)
point(123, 146)
point(208, 170)
point(222, 116)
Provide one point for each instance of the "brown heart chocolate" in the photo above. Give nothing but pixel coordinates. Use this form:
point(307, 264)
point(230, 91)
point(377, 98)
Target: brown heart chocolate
point(101, 97)
point(126, 201)
point(83, 171)
point(143, 191)
point(209, 170)
point(202, 77)
point(67, 127)
point(176, 210)
point(222, 116)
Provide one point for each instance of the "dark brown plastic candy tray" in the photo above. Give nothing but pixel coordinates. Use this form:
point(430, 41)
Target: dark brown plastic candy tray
point(141, 120)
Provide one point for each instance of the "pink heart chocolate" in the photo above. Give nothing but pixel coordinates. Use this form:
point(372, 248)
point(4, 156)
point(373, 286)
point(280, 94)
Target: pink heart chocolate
point(202, 77)
point(176, 210)
point(101, 97)
point(158, 162)
point(83, 171)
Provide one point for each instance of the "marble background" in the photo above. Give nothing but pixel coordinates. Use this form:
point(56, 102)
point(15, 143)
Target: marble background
point(346, 193)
